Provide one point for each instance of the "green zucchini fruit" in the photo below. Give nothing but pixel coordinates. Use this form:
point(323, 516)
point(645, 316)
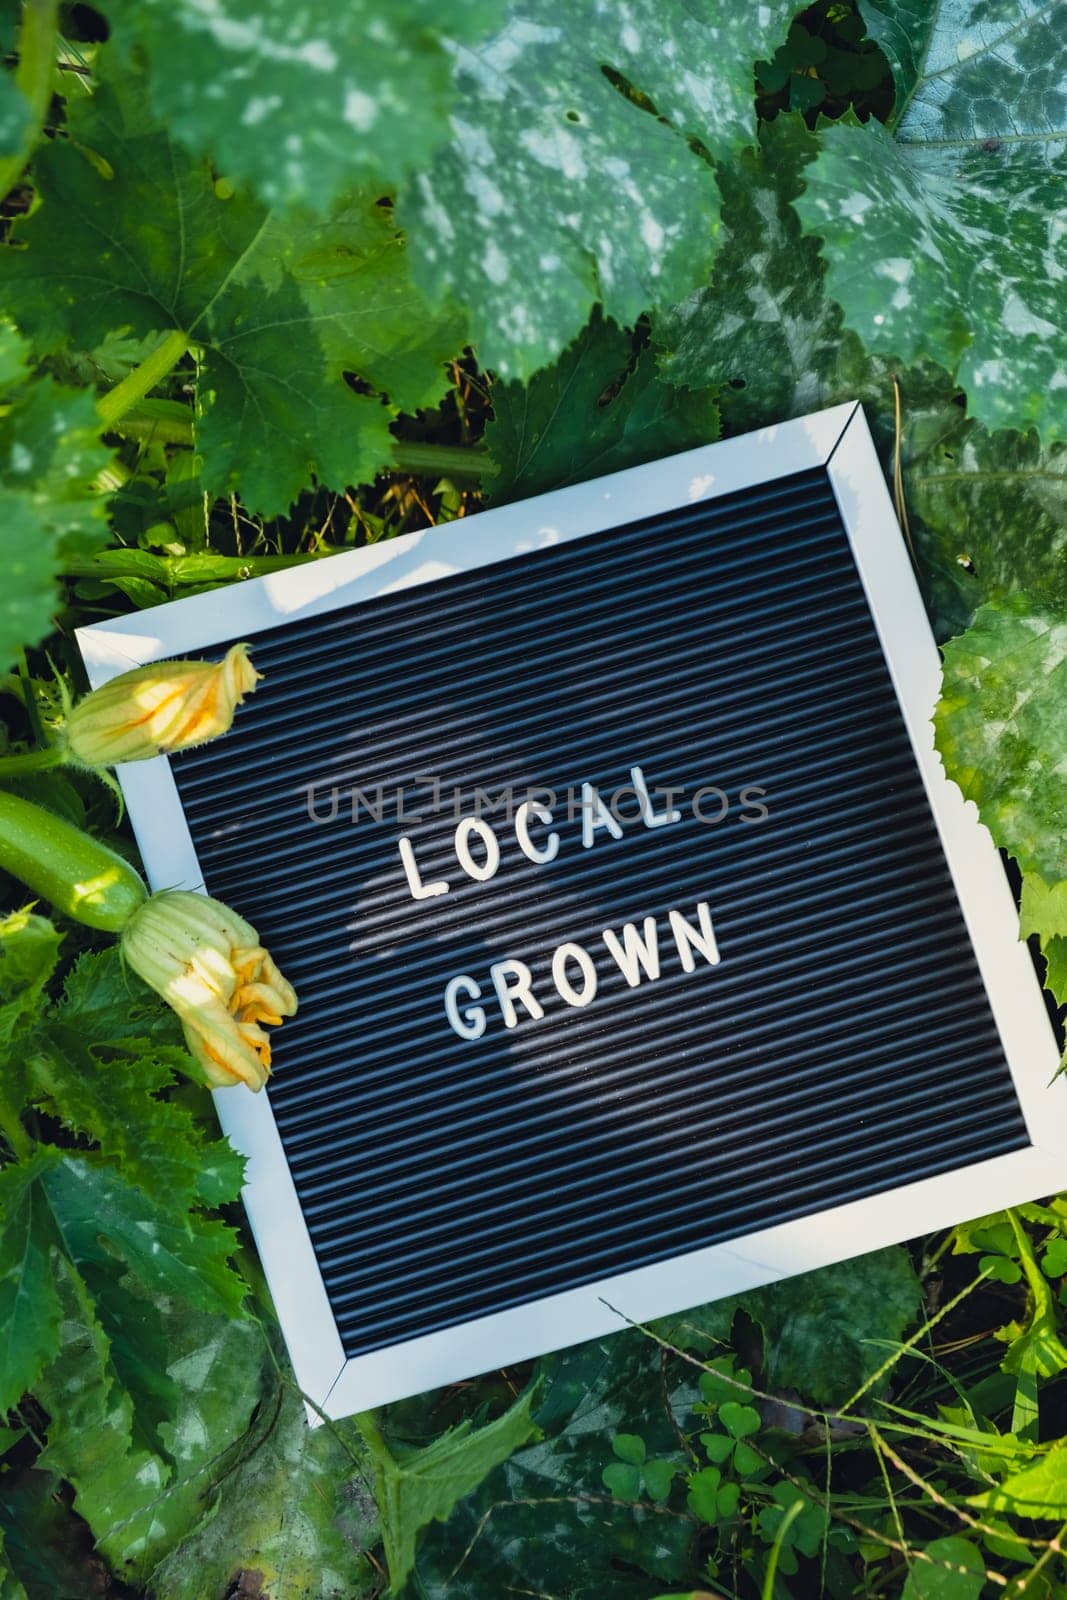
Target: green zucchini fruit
point(70, 869)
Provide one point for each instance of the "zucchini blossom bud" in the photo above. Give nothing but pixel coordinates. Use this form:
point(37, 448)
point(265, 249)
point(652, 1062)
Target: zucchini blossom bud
point(209, 966)
point(165, 706)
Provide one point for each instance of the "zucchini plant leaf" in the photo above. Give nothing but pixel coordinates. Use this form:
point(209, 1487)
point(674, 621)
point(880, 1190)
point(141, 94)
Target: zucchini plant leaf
point(16, 116)
point(988, 510)
point(49, 1553)
point(302, 102)
point(943, 232)
point(50, 452)
point(100, 1216)
point(598, 408)
point(288, 1507)
point(105, 1061)
point(762, 329)
point(139, 1504)
point(820, 1328)
point(92, 1433)
point(10, 1587)
point(426, 1485)
point(1002, 725)
point(29, 950)
point(992, 509)
point(134, 234)
point(30, 1308)
point(569, 176)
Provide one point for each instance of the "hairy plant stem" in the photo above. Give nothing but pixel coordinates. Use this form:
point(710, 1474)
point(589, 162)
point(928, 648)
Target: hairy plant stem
point(465, 462)
point(31, 761)
point(114, 405)
point(170, 422)
point(176, 572)
point(372, 1437)
point(33, 75)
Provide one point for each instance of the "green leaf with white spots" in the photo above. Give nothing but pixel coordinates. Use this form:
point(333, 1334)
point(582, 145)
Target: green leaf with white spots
point(992, 512)
point(1002, 729)
point(765, 332)
point(600, 407)
point(140, 1504)
point(133, 234)
point(290, 1506)
point(91, 1434)
point(101, 1217)
point(304, 101)
point(562, 185)
point(943, 234)
point(763, 329)
point(988, 510)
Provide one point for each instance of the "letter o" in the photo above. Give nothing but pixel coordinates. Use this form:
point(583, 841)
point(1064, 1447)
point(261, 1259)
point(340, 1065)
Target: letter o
point(724, 799)
point(469, 826)
point(564, 987)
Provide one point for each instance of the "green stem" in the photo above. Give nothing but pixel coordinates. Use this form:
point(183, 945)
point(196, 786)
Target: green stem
point(170, 422)
point(31, 761)
point(37, 58)
point(372, 1437)
point(176, 572)
point(161, 421)
point(442, 460)
point(136, 384)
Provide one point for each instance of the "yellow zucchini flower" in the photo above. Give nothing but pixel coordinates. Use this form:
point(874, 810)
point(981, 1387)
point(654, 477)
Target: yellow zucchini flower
point(208, 964)
point(165, 706)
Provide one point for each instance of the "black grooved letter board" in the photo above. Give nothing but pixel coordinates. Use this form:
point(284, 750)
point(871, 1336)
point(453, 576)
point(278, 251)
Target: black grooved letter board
point(842, 1045)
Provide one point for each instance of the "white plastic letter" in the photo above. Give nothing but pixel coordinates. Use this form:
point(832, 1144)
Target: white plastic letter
point(541, 854)
point(470, 1023)
point(688, 939)
point(482, 873)
point(649, 816)
point(419, 890)
point(565, 988)
point(637, 950)
point(519, 990)
point(595, 815)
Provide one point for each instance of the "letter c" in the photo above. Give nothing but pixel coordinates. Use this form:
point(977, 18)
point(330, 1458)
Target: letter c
point(540, 854)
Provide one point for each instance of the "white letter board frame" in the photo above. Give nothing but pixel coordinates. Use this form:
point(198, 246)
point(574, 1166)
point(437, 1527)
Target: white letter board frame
point(837, 439)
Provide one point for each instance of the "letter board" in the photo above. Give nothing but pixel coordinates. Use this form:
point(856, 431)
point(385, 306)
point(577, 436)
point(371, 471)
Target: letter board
point(724, 981)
